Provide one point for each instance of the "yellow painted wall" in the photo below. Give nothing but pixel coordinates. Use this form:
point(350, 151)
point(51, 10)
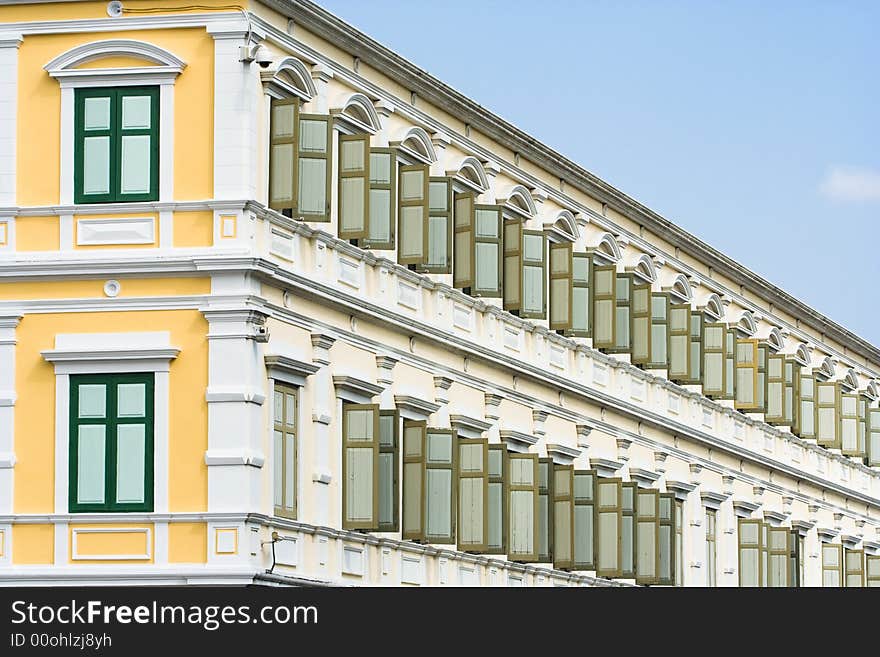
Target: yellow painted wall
point(37, 234)
point(112, 543)
point(75, 10)
point(187, 542)
point(35, 408)
point(39, 107)
point(33, 544)
point(116, 62)
point(92, 289)
point(193, 229)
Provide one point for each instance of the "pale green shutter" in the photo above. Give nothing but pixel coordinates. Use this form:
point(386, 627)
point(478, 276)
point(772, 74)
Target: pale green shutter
point(713, 359)
point(791, 402)
point(872, 570)
point(863, 427)
point(666, 539)
point(729, 364)
point(749, 533)
point(389, 460)
point(659, 337)
point(854, 563)
point(413, 480)
point(695, 344)
point(315, 140)
point(765, 554)
point(488, 277)
point(284, 431)
point(794, 559)
point(383, 178)
point(761, 388)
point(473, 494)
point(779, 555)
point(513, 242)
point(534, 275)
point(641, 324)
point(581, 304)
point(604, 284)
point(627, 530)
point(832, 565)
point(354, 186)
point(873, 440)
point(497, 500)
point(545, 510)
point(282, 153)
point(584, 544)
point(563, 516)
point(463, 241)
point(622, 311)
point(522, 507)
point(439, 227)
point(775, 389)
point(360, 466)
point(440, 495)
point(746, 373)
point(647, 525)
point(412, 213)
point(608, 525)
point(561, 286)
point(807, 406)
point(849, 425)
point(828, 414)
point(711, 547)
point(679, 342)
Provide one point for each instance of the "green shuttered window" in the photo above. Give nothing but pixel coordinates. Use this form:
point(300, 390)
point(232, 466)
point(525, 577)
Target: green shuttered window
point(873, 437)
point(440, 450)
point(627, 530)
point(545, 510)
point(746, 373)
point(463, 241)
point(872, 570)
point(380, 222)
point(666, 539)
point(622, 311)
point(438, 230)
point(641, 324)
point(679, 342)
point(729, 364)
point(695, 345)
point(522, 505)
point(111, 442)
point(711, 547)
point(581, 303)
point(854, 565)
point(285, 450)
point(832, 565)
point(750, 544)
point(563, 516)
point(116, 145)
point(609, 520)
point(775, 413)
point(604, 282)
point(360, 466)
point(713, 359)
point(497, 500)
point(659, 335)
point(561, 286)
point(473, 494)
point(412, 213)
point(647, 525)
point(779, 554)
point(849, 425)
point(584, 494)
point(828, 414)
point(534, 275)
point(389, 466)
point(354, 186)
point(486, 252)
point(413, 480)
point(806, 427)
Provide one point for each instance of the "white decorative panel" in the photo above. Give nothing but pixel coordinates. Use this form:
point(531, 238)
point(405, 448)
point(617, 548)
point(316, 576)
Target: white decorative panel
point(410, 569)
point(467, 576)
point(739, 430)
point(287, 552)
point(386, 561)
point(708, 418)
point(134, 230)
point(349, 272)
point(281, 244)
point(515, 580)
point(673, 402)
point(462, 317)
point(796, 453)
point(442, 570)
point(557, 356)
point(600, 374)
point(409, 295)
point(322, 550)
point(512, 338)
point(768, 442)
point(77, 532)
point(637, 389)
point(352, 560)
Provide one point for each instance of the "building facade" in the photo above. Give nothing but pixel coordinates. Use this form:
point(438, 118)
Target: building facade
point(278, 307)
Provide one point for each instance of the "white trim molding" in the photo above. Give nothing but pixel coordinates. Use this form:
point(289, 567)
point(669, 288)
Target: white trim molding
point(9, 45)
point(64, 67)
point(77, 531)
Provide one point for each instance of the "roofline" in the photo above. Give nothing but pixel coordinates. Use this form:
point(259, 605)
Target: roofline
point(348, 38)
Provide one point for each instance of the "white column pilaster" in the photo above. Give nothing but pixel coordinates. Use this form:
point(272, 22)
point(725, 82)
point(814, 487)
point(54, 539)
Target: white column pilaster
point(8, 324)
point(325, 408)
point(9, 45)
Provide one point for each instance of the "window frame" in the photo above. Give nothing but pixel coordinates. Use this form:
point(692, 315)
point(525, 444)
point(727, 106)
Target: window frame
point(498, 479)
point(652, 521)
point(293, 140)
point(834, 442)
point(408, 533)
point(364, 174)
point(445, 268)
point(280, 425)
point(752, 367)
point(859, 572)
point(711, 351)
point(641, 357)
point(565, 275)
point(452, 466)
point(676, 374)
point(422, 203)
point(563, 509)
point(711, 531)
point(628, 516)
point(483, 473)
point(669, 545)
point(515, 488)
point(756, 546)
point(587, 285)
point(373, 522)
point(589, 503)
point(655, 363)
point(545, 497)
point(622, 303)
point(393, 449)
point(830, 567)
point(474, 291)
point(605, 298)
point(391, 188)
point(327, 156)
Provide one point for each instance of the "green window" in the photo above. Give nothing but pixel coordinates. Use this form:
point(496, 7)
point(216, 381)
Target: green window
point(695, 364)
point(711, 547)
point(730, 364)
point(641, 324)
point(545, 511)
point(380, 222)
point(486, 252)
point(679, 543)
point(522, 507)
point(581, 305)
point(761, 388)
point(854, 563)
point(832, 565)
point(622, 311)
point(828, 414)
point(584, 494)
point(497, 500)
point(666, 539)
point(872, 570)
point(604, 282)
point(795, 559)
point(513, 262)
point(750, 534)
point(608, 525)
point(282, 154)
point(806, 417)
point(412, 214)
point(561, 286)
point(679, 342)
point(111, 442)
point(849, 425)
point(389, 466)
point(463, 241)
point(627, 530)
point(284, 450)
point(116, 145)
point(534, 275)
point(659, 335)
point(413, 480)
point(473, 494)
point(713, 359)
point(360, 466)
point(873, 440)
point(863, 427)
point(438, 230)
point(354, 186)
point(563, 516)
point(775, 389)
point(440, 448)
point(789, 405)
point(647, 525)
point(746, 373)
point(778, 556)
point(765, 554)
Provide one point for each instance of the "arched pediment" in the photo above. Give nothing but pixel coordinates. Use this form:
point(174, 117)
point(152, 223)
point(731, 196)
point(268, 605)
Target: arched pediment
point(747, 323)
point(520, 200)
point(566, 225)
point(681, 288)
point(417, 143)
point(714, 307)
point(802, 355)
point(293, 76)
point(130, 48)
point(871, 390)
point(851, 379)
point(644, 268)
point(358, 109)
point(775, 339)
point(470, 171)
point(827, 368)
point(607, 248)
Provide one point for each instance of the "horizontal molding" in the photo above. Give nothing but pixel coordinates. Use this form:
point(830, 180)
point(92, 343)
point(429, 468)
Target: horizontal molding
point(223, 394)
point(76, 532)
point(7, 460)
point(223, 457)
point(110, 231)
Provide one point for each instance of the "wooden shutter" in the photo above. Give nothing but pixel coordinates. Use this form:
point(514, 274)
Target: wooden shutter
point(608, 525)
point(775, 389)
point(746, 373)
point(695, 345)
point(622, 312)
point(563, 516)
point(713, 359)
point(647, 525)
point(779, 555)
point(360, 466)
point(438, 228)
point(473, 494)
point(872, 570)
point(765, 554)
point(806, 428)
point(383, 184)
point(581, 303)
point(463, 241)
point(854, 564)
point(666, 540)
point(315, 140)
point(832, 565)
point(561, 286)
point(761, 387)
point(283, 126)
point(794, 559)
point(659, 335)
point(497, 500)
point(711, 547)
point(284, 430)
point(679, 341)
point(873, 437)
point(389, 466)
point(729, 364)
point(749, 533)
point(627, 530)
point(863, 426)
point(545, 510)
point(679, 543)
point(522, 541)
point(828, 414)
point(412, 213)
point(534, 275)
point(848, 429)
point(641, 324)
point(513, 243)
point(792, 386)
point(604, 291)
point(354, 186)
point(413, 480)
point(440, 495)
point(488, 276)
point(584, 543)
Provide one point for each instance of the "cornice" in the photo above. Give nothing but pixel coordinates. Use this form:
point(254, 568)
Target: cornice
point(562, 454)
point(355, 386)
point(468, 425)
point(517, 441)
point(416, 405)
point(712, 499)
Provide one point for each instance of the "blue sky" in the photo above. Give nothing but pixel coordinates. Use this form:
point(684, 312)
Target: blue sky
point(753, 125)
